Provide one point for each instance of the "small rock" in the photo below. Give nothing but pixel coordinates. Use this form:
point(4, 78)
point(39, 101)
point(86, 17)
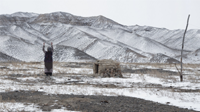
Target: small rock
point(46, 108)
point(104, 101)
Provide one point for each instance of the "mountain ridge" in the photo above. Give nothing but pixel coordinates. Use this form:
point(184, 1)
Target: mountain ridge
point(97, 36)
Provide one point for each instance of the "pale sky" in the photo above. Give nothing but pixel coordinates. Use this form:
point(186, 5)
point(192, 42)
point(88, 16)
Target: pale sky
point(170, 14)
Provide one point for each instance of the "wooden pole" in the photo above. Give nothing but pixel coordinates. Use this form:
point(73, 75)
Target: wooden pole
point(181, 75)
point(177, 69)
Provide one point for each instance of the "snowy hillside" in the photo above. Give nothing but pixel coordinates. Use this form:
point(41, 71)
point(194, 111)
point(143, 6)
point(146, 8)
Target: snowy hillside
point(23, 34)
point(70, 54)
point(6, 58)
point(170, 38)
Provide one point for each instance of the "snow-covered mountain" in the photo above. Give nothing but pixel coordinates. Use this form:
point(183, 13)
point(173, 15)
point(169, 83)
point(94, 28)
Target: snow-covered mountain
point(6, 58)
point(78, 38)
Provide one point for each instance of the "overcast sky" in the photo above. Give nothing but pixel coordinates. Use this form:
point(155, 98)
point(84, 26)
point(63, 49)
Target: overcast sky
point(170, 14)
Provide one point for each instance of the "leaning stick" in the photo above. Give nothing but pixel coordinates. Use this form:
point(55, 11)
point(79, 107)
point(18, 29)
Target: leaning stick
point(181, 75)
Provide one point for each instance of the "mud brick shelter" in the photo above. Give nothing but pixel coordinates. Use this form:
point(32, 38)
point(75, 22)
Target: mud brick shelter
point(107, 68)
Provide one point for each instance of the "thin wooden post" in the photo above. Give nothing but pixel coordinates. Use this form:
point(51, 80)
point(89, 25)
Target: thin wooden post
point(181, 75)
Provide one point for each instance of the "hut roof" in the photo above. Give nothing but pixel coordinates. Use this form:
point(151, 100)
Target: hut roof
point(107, 61)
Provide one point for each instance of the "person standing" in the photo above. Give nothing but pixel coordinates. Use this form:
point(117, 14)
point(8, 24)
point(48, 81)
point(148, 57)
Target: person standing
point(48, 60)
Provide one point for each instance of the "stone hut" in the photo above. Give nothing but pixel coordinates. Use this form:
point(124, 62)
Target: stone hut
point(107, 68)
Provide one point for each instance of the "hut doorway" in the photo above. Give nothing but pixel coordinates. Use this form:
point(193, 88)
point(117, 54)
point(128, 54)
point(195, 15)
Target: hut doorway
point(96, 68)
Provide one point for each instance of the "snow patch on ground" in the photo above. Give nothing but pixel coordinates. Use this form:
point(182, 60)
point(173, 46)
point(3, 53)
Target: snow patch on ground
point(14, 107)
point(132, 85)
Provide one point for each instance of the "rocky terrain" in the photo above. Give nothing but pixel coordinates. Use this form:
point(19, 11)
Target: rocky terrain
point(74, 87)
point(87, 103)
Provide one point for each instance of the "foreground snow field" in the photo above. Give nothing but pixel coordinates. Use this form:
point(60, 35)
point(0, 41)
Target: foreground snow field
point(156, 82)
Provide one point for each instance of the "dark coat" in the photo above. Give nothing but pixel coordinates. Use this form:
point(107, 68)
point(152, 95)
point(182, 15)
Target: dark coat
point(48, 56)
point(48, 60)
